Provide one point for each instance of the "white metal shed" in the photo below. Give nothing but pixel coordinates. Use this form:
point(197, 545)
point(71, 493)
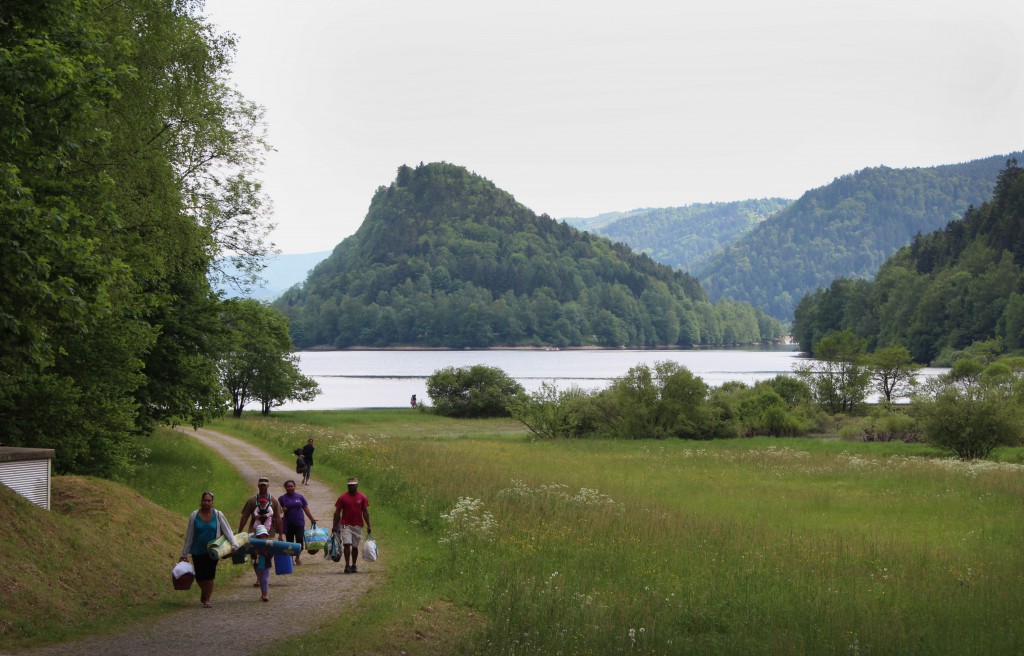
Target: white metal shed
point(27, 472)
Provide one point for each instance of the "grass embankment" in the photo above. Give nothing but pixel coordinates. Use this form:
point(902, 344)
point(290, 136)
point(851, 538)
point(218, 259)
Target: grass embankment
point(103, 555)
point(495, 544)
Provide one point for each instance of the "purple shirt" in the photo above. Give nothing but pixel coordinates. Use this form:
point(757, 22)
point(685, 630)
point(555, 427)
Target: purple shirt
point(293, 504)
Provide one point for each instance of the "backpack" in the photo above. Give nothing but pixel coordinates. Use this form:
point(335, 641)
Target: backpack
point(264, 514)
point(300, 465)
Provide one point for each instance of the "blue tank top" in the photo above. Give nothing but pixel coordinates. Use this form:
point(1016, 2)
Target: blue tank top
point(205, 533)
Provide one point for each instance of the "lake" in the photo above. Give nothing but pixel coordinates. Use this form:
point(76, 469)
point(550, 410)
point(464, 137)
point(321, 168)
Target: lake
point(386, 379)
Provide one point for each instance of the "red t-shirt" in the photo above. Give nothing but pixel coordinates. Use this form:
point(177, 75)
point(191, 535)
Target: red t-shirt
point(352, 506)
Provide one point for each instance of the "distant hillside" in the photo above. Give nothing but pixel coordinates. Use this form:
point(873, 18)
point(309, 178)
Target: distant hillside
point(282, 272)
point(682, 237)
point(945, 291)
point(445, 258)
point(845, 229)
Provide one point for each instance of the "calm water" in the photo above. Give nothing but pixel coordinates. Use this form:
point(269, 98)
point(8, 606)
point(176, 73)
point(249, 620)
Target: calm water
point(386, 379)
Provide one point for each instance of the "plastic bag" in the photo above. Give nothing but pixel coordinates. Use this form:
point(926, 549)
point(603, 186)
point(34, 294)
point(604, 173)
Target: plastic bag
point(315, 538)
point(333, 548)
point(370, 550)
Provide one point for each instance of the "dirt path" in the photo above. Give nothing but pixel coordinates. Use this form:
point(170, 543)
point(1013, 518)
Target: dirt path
point(315, 594)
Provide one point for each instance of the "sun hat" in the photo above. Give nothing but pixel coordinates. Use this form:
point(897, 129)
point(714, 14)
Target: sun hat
point(261, 530)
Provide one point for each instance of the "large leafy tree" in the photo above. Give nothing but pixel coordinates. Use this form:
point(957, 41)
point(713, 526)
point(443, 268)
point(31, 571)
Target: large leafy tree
point(125, 167)
point(257, 363)
point(839, 377)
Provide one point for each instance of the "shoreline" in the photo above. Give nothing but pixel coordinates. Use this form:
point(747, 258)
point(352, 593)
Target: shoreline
point(329, 349)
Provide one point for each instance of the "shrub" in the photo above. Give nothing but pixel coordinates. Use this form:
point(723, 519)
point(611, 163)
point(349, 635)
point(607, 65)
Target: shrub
point(551, 413)
point(667, 401)
point(477, 391)
point(971, 415)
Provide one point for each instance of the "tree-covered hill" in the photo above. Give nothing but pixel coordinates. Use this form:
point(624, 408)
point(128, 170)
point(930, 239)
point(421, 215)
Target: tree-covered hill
point(945, 291)
point(845, 229)
point(683, 237)
point(445, 258)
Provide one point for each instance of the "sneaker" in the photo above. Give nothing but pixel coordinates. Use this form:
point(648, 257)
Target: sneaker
point(353, 570)
point(348, 569)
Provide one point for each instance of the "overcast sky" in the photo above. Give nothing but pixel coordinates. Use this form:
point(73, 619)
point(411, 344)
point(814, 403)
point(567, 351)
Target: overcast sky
point(582, 107)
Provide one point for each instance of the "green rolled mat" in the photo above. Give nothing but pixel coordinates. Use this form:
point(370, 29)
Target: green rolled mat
point(221, 547)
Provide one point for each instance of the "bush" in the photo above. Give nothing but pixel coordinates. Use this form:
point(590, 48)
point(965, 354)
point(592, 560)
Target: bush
point(477, 391)
point(971, 414)
point(781, 407)
point(550, 413)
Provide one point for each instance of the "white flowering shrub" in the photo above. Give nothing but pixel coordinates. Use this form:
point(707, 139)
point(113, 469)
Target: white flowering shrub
point(467, 520)
point(586, 496)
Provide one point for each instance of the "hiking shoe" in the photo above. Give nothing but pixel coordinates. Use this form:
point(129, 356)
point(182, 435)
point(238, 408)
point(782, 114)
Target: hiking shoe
point(348, 569)
point(353, 570)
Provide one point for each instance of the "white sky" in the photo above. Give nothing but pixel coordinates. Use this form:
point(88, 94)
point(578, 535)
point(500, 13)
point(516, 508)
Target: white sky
point(579, 107)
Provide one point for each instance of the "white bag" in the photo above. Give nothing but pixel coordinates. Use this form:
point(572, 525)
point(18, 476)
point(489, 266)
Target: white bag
point(183, 568)
point(370, 550)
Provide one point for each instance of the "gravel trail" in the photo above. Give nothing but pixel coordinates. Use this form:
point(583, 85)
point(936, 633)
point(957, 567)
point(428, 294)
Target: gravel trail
point(316, 593)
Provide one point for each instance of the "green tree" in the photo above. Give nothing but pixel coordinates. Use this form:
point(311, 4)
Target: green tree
point(476, 391)
point(551, 413)
point(971, 416)
point(838, 378)
point(893, 372)
point(279, 379)
point(257, 363)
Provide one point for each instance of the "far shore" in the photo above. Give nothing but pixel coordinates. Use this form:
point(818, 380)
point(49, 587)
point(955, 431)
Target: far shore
point(787, 342)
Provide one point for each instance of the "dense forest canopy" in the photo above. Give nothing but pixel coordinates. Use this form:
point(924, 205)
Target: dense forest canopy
point(684, 237)
point(445, 258)
point(845, 229)
point(947, 290)
point(126, 170)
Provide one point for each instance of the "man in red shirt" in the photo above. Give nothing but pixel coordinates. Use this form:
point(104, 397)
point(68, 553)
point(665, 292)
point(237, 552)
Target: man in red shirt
point(351, 512)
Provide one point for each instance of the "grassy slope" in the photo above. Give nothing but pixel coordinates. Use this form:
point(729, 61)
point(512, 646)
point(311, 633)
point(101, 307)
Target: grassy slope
point(103, 554)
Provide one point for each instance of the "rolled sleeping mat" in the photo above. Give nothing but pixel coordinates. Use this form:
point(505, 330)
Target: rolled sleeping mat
point(277, 546)
point(221, 547)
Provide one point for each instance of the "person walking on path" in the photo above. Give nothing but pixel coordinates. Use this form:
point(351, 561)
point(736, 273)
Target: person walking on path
point(261, 508)
point(307, 455)
point(261, 559)
point(251, 506)
point(351, 512)
point(205, 525)
point(295, 506)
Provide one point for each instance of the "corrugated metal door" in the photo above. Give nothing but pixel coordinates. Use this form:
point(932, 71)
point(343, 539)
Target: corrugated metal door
point(29, 478)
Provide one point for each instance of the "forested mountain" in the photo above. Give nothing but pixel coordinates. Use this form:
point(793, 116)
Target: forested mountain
point(845, 229)
point(445, 258)
point(682, 237)
point(946, 290)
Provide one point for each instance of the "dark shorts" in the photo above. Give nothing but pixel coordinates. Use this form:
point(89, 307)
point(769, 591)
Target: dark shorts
point(294, 533)
point(206, 567)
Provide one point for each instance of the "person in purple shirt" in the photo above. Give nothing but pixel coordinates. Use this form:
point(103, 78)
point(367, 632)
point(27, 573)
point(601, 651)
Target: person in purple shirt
point(294, 505)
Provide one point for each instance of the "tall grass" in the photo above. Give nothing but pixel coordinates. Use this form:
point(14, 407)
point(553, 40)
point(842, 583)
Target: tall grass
point(177, 471)
point(742, 546)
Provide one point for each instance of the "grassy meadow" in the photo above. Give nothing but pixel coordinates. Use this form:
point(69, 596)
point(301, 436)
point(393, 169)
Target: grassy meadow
point(498, 544)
